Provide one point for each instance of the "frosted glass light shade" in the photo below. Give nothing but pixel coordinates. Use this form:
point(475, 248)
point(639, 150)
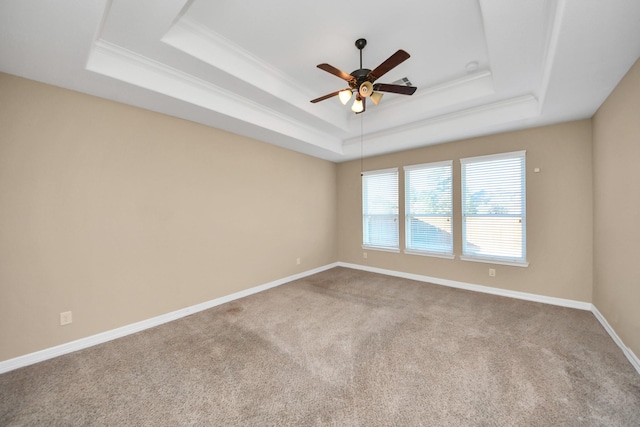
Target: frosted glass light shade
point(345, 96)
point(357, 106)
point(376, 97)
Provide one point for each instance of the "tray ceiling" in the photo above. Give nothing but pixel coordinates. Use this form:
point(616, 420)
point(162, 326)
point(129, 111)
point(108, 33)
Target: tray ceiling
point(481, 66)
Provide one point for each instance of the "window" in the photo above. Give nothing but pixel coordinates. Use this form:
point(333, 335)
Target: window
point(494, 209)
point(428, 209)
point(380, 210)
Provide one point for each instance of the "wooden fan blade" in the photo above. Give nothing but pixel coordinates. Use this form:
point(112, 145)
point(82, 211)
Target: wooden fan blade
point(336, 72)
point(391, 62)
point(330, 95)
point(401, 89)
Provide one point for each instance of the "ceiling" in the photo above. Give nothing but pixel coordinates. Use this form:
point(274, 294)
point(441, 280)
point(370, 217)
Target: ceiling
point(249, 67)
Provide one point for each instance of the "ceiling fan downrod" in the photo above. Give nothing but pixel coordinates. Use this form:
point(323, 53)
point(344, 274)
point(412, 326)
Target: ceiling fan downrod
point(360, 44)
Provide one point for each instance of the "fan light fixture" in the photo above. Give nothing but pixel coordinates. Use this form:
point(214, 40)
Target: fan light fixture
point(366, 89)
point(357, 106)
point(376, 97)
point(345, 96)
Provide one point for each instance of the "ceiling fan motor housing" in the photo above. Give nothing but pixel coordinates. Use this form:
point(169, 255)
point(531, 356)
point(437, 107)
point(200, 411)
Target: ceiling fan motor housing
point(360, 77)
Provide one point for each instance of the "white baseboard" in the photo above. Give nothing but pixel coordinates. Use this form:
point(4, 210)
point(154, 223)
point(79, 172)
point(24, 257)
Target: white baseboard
point(70, 347)
point(633, 359)
point(477, 288)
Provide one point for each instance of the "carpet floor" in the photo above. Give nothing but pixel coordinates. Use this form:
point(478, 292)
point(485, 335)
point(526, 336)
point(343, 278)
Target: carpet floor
point(344, 348)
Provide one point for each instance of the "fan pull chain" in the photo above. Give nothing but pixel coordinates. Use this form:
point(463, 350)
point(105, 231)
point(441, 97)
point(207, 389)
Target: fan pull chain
point(361, 144)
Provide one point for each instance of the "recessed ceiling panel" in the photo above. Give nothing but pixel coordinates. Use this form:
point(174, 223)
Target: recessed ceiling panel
point(295, 36)
point(481, 66)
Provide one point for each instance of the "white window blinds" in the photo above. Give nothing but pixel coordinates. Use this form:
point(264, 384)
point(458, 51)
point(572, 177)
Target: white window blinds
point(380, 209)
point(428, 209)
point(494, 208)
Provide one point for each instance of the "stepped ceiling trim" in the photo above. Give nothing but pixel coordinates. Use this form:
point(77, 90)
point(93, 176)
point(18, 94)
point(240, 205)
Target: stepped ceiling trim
point(481, 66)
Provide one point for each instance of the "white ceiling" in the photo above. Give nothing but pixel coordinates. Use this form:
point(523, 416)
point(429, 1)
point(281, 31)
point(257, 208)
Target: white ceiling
point(249, 67)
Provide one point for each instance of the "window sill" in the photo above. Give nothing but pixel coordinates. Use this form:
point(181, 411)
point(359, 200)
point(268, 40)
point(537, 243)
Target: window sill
point(381, 248)
point(427, 253)
point(495, 261)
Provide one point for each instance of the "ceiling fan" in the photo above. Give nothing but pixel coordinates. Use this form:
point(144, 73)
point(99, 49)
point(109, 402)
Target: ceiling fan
point(361, 81)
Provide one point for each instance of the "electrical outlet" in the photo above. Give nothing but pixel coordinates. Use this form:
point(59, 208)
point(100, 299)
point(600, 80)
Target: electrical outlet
point(364, 255)
point(298, 261)
point(492, 272)
point(65, 318)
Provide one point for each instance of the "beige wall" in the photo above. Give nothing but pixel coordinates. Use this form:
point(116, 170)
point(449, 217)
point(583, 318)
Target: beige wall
point(120, 214)
point(559, 212)
point(616, 132)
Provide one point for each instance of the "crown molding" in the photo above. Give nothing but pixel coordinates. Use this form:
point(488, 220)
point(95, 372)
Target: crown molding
point(199, 41)
point(483, 116)
point(125, 65)
point(447, 94)
point(557, 16)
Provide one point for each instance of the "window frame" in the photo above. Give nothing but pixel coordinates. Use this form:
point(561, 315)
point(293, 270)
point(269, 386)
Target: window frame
point(408, 214)
point(387, 248)
point(495, 259)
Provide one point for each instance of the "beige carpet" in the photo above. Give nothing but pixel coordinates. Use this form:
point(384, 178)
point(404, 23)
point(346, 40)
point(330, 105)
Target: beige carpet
point(344, 348)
